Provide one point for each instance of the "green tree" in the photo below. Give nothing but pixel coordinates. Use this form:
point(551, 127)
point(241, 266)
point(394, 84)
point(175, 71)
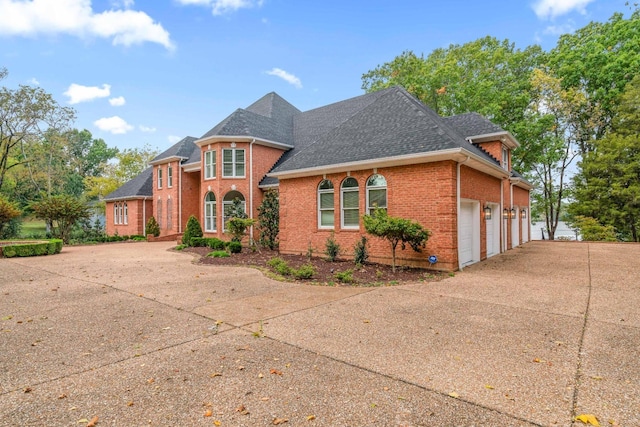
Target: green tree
point(152, 228)
point(61, 213)
point(194, 229)
point(608, 187)
point(26, 114)
point(591, 230)
point(8, 211)
point(269, 219)
point(237, 227)
point(85, 157)
point(397, 231)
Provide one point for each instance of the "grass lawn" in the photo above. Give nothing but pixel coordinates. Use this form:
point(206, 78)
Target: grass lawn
point(32, 227)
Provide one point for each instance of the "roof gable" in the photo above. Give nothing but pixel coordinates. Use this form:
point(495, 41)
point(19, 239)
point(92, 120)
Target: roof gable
point(140, 186)
point(182, 148)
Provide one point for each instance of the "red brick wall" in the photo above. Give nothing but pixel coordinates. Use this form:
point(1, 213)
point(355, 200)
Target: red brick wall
point(136, 222)
point(425, 193)
point(521, 201)
point(190, 182)
point(165, 194)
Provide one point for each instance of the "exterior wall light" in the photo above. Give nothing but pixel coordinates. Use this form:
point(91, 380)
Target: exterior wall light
point(505, 213)
point(487, 213)
point(523, 213)
point(513, 213)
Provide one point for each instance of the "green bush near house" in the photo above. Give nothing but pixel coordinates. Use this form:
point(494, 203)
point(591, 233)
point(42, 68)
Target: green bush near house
point(234, 247)
point(305, 271)
point(194, 229)
point(219, 254)
point(27, 249)
point(216, 244)
point(152, 228)
point(344, 276)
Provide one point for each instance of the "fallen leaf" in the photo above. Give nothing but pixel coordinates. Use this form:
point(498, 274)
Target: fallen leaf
point(208, 413)
point(366, 321)
point(588, 419)
point(260, 375)
point(62, 396)
point(278, 421)
point(536, 360)
point(311, 417)
point(242, 410)
point(614, 423)
point(9, 317)
point(215, 374)
point(93, 422)
point(27, 389)
point(454, 395)
point(275, 371)
point(151, 381)
point(596, 378)
point(488, 387)
point(217, 423)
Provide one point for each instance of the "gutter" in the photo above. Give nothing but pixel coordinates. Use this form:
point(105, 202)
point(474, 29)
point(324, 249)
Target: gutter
point(179, 198)
point(458, 209)
point(251, 188)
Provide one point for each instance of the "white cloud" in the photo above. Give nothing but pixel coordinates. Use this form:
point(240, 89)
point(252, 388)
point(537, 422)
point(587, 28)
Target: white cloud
point(558, 30)
point(146, 129)
point(550, 9)
point(288, 77)
point(33, 81)
point(173, 139)
point(126, 4)
point(118, 101)
point(76, 17)
point(115, 125)
point(78, 93)
point(220, 7)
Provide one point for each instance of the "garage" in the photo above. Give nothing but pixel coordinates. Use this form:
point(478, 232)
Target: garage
point(469, 233)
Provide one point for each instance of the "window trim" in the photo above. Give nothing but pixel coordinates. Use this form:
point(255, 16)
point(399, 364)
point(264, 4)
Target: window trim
point(234, 162)
point(159, 173)
point(214, 218)
point(505, 158)
point(169, 176)
point(126, 214)
point(226, 203)
point(115, 213)
point(376, 187)
point(212, 164)
point(333, 207)
point(344, 190)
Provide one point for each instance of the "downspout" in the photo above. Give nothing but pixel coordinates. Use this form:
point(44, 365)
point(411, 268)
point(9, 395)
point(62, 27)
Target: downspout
point(458, 209)
point(251, 189)
point(503, 234)
point(179, 198)
point(510, 208)
point(144, 216)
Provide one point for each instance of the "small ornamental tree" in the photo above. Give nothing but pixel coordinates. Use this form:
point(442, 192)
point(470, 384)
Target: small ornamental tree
point(193, 230)
point(237, 227)
point(61, 213)
point(8, 211)
point(396, 231)
point(152, 227)
point(269, 220)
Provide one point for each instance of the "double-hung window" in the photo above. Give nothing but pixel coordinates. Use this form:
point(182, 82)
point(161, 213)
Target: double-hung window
point(126, 214)
point(350, 196)
point(505, 158)
point(210, 212)
point(209, 164)
point(376, 193)
point(159, 176)
point(325, 205)
point(169, 176)
point(233, 163)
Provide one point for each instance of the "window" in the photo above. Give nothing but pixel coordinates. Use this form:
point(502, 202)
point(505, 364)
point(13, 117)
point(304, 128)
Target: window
point(210, 212)
point(505, 158)
point(115, 214)
point(121, 214)
point(169, 212)
point(232, 163)
point(376, 193)
point(169, 176)
point(209, 164)
point(159, 214)
point(159, 177)
point(126, 213)
point(325, 204)
point(350, 203)
point(228, 207)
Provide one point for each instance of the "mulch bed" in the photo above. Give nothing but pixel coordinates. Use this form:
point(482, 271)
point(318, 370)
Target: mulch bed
point(368, 275)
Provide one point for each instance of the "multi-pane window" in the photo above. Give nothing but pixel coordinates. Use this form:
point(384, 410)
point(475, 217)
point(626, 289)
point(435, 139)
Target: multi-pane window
point(169, 176)
point(231, 209)
point(505, 158)
point(120, 214)
point(233, 163)
point(169, 213)
point(116, 214)
point(350, 196)
point(159, 176)
point(209, 164)
point(376, 193)
point(159, 214)
point(210, 212)
point(125, 213)
point(325, 204)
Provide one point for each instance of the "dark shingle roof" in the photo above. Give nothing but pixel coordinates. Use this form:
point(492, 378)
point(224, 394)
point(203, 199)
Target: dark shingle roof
point(472, 124)
point(140, 186)
point(183, 148)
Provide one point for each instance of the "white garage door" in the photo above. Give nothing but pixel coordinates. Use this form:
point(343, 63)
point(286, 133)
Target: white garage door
point(493, 231)
point(515, 230)
point(466, 233)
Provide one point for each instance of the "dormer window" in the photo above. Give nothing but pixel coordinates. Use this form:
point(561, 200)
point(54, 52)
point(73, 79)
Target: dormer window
point(505, 158)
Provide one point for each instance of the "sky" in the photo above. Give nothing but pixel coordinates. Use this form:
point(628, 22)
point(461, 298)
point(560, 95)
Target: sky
point(150, 72)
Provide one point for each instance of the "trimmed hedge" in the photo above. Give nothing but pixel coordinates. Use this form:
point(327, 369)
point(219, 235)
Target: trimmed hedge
point(211, 242)
point(17, 249)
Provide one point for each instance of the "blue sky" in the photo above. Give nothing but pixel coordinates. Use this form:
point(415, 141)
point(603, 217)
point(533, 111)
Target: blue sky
point(153, 71)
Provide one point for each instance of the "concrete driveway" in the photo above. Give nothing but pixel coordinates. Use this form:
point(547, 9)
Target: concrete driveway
point(137, 335)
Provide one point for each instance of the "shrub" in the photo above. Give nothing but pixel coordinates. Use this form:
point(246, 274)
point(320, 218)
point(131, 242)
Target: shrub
point(219, 254)
point(234, 247)
point(361, 252)
point(592, 230)
point(193, 230)
point(280, 266)
point(332, 248)
point(344, 276)
point(305, 271)
point(237, 227)
point(180, 247)
point(61, 213)
point(9, 211)
point(152, 228)
point(269, 219)
point(216, 244)
point(197, 242)
point(27, 249)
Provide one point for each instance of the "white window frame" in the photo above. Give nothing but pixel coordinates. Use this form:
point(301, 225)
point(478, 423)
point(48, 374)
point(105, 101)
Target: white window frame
point(344, 190)
point(321, 209)
point(169, 176)
point(505, 158)
point(210, 217)
point(210, 164)
point(234, 162)
point(126, 214)
point(226, 203)
point(371, 208)
point(115, 213)
point(159, 176)
point(121, 213)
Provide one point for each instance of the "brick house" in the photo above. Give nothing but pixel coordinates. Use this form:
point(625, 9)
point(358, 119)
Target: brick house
point(333, 164)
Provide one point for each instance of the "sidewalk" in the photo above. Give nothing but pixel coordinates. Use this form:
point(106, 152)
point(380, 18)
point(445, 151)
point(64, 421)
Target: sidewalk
point(138, 335)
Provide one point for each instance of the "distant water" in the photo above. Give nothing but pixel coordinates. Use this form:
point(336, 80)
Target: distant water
point(562, 231)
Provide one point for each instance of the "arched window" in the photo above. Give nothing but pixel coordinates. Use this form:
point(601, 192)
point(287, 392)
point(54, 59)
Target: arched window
point(159, 214)
point(376, 193)
point(169, 214)
point(229, 207)
point(126, 214)
point(350, 196)
point(121, 213)
point(115, 213)
point(325, 204)
point(210, 212)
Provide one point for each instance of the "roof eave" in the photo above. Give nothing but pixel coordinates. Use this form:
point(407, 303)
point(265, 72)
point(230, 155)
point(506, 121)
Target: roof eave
point(456, 154)
point(505, 137)
point(242, 138)
point(522, 183)
point(117, 199)
point(167, 159)
point(191, 167)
